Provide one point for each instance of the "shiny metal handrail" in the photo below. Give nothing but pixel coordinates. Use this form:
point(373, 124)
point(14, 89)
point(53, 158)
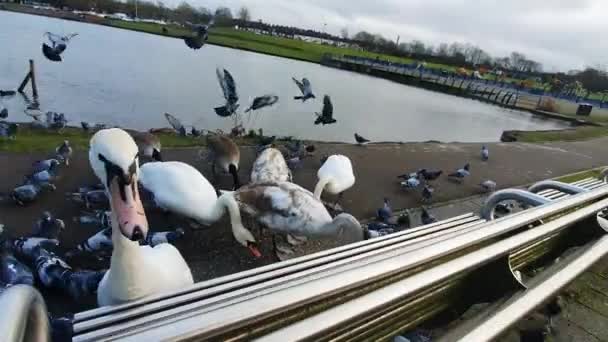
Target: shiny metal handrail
point(555, 185)
point(23, 317)
point(330, 319)
point(525, 302)
point(241, 311)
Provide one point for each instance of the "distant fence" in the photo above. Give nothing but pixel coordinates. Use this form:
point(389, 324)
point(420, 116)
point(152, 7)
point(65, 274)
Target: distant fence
point(438, 75)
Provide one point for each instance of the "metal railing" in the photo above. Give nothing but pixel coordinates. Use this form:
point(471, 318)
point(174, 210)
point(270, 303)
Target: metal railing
point(23, 317)
point(410, 269)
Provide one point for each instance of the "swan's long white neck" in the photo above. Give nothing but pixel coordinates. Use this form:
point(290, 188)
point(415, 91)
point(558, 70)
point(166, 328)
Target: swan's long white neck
point(320, 186)
point(228, 202)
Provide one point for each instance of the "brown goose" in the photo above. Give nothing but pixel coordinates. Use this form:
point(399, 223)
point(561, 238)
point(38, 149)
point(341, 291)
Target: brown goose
point(225, 153)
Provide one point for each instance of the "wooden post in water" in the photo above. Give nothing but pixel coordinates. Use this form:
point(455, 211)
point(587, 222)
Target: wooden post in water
point(33, 80)
point(30, 77)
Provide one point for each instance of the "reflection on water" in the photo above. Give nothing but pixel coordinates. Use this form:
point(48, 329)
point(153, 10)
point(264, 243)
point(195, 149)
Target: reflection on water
point(130, 79)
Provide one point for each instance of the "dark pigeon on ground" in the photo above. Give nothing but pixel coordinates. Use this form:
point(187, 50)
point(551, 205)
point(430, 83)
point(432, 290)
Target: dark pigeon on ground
point(326, 116)
point(48, 227)
point(91, 198)
point(426, 217)
point(262, 101)
point(385, 213)
point(427, 193)
point(360, 140)
point(488, 185)
point(64, 152)
point(428, 176)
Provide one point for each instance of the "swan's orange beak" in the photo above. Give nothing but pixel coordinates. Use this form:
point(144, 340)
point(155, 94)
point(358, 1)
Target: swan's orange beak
point(128, 209)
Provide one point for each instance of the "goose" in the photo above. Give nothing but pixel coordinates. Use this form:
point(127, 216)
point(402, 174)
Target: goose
point(429, 175)
point(182, 189)
point(225, 153)
point(284, 207)
point(148, 144)
point(135, 271)
point(270, 166)
point(64, 152)
point(335, 176)
point(305, 89)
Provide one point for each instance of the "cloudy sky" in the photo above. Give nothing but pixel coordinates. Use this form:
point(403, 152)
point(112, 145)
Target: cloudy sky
point(562, 34)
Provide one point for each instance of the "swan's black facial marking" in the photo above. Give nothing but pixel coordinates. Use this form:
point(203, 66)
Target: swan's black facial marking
point(124, 179)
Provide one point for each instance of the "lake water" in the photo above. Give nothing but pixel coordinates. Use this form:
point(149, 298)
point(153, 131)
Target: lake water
point(130, 79)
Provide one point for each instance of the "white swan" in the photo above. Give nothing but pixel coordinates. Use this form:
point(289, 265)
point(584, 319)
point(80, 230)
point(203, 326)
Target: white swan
point(135, 271)
point(182, 189)
point(335, 176)
point(270, 166)
point(288, 208)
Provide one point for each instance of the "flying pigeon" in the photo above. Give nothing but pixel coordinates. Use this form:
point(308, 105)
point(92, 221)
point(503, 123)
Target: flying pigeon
point(57, 45)
point(199, 36)
point(64, 152)
point(262, 101)
point(485, 153)
point(460, 174)
point(326, 117)
point(176, 124)
point(229, 90)
point(360, 140)
point(305, 88)
point(385, 213)
point(3, 113)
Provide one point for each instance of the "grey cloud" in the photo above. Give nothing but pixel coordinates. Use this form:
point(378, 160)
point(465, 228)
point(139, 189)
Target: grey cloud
point(561, 34)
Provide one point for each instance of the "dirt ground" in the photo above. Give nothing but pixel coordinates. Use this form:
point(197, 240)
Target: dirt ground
point(212, 252)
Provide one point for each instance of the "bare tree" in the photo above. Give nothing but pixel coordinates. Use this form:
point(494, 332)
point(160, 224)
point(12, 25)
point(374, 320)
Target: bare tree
point(244, 14)
point(344, 33)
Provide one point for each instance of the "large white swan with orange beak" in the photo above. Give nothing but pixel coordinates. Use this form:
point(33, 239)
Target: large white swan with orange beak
point(135, 271)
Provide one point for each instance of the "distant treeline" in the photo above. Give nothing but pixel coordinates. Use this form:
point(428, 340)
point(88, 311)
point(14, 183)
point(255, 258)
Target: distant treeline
point(516, 65)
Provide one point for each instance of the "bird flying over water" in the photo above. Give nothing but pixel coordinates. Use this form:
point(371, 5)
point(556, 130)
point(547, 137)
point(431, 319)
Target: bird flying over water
point(305, 88)
point(229, 90)
point(262, 101)
point(199, 36)
point(360, 140)
point(57, 45)
point(326, 115)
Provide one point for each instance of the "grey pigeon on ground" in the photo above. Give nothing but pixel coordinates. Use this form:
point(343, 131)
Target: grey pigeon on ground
point(462, 173)
point(305, 89)
point(44, 165)
point(410, 183)
point(385, 213)
point(488, 185)
point(485, 153)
